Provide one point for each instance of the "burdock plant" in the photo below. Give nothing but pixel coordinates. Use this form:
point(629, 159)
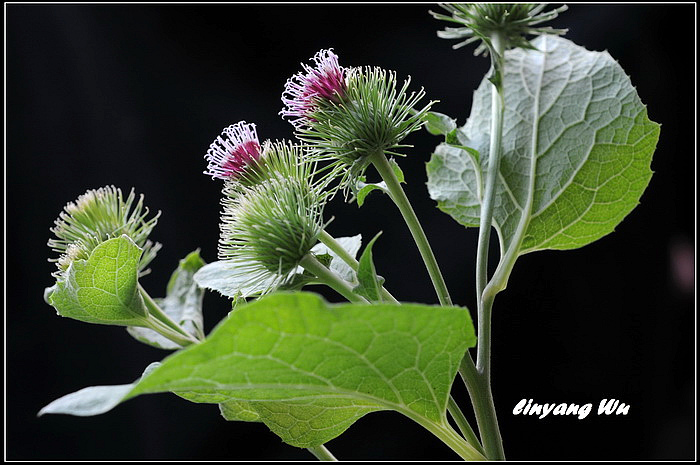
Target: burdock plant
point(556, 152)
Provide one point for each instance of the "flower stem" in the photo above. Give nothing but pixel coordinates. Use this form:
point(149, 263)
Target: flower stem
point(321, 453)
point(397, 194)
point(327, 277)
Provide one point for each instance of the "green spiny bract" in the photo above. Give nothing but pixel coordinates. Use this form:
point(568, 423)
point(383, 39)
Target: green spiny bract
point(99, 215)
point(512, 21)
point(279, 159)
point(374, 116)
point(269, 227)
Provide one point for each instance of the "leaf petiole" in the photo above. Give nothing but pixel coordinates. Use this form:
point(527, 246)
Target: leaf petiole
point(163, 324)
point(322, 453)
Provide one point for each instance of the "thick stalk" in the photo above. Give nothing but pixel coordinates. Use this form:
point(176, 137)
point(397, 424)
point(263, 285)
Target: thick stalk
point(397, 194)
point(486, 216)
point(321, 453)
point(482, 401)
point(327, 277)
point(480, 378)
point(338, 249)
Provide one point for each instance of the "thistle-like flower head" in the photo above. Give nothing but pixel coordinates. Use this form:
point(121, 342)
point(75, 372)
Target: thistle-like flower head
point(268, 228)
point(99, 215)
point(304, 91)
point(511, 21)
point(369, 114)
point(232, 151)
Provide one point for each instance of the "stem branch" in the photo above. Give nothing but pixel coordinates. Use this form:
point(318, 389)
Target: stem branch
point(327, 277)
point(163, 324)
point(397, 194)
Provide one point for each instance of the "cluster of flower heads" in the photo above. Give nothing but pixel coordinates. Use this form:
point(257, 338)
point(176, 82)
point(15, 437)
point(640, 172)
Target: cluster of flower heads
point(274, 192)
point(272, 204)
point(99, 215)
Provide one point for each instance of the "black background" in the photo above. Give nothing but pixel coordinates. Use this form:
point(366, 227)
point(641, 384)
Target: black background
point(132, 95)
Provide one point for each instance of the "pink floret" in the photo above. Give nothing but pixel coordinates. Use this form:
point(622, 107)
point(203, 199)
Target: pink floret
point(303, 90)
point(232, 151)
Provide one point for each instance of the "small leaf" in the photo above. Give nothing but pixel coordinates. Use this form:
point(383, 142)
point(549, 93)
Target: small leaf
point(370, 286)
point(93, 400)
point(365, 189)
point(397, 171)
point(309, 369)
point(183, 304)
point(439, 124)
point(230, 279)
point(103, 289)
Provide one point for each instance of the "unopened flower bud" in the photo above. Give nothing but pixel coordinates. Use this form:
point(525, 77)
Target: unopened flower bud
point(99, 215)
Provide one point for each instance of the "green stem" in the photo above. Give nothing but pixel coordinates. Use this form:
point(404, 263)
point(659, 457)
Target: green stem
point(479, 380)
point(161, 322)
point(397, 194)
point(482, 401)
point(321, 453)
point(487, 203)
point(338, 249)
point(463, 425)
point(327, 277)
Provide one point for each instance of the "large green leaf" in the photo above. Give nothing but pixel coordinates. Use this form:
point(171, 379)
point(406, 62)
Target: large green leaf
point(308, 369)
point(182, 303)
point(577, 148)
point(104, 288)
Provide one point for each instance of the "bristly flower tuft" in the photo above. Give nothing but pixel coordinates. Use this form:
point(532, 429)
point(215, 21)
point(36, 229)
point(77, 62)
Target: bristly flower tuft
point(232, 151)
point(305, 90)
point(266, 229)
point(511, 21)
point(99, 215)
point(371, 114)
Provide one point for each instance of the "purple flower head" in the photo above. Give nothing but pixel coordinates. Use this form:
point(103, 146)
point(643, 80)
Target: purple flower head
point(325, 81)
point(232, 151)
